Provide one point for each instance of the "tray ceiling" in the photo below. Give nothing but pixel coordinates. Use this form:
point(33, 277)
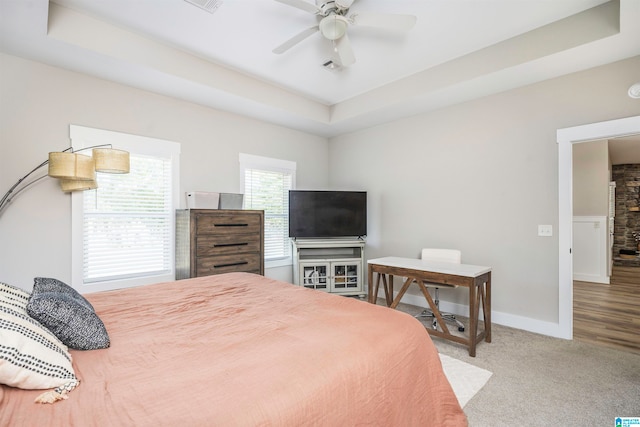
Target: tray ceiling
point(457, 51)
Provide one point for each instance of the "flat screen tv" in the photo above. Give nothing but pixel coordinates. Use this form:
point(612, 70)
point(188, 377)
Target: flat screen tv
point(327, 213)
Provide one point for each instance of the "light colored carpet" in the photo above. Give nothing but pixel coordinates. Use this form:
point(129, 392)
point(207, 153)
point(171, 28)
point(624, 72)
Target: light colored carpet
point(465, 379)
point(540, 381)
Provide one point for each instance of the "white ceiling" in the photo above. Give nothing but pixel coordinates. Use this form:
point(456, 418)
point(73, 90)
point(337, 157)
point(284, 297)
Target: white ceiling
point(458, 50)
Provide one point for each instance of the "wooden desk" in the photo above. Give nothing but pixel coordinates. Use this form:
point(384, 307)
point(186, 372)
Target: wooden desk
point(476, 278)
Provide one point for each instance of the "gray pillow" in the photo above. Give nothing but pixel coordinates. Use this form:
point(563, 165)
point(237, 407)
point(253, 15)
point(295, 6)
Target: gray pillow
point(67, 314)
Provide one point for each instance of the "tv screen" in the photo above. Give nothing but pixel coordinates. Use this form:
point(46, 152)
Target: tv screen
point(327, 213)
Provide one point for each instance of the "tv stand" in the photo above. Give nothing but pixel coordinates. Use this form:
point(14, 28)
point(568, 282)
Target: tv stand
point(330, 265)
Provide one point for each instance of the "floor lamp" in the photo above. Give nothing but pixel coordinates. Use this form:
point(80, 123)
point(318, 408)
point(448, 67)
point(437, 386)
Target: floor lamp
point(75, 172)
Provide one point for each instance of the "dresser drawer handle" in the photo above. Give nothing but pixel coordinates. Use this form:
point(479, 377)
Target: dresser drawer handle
point(232, 225)
point(222, 245)
point(230, 264)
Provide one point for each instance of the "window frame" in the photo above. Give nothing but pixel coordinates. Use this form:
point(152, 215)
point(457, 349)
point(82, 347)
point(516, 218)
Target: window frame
point(250, 161)
point(83, 137)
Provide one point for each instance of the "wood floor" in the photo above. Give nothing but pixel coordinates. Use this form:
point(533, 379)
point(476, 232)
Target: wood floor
point(609, 314)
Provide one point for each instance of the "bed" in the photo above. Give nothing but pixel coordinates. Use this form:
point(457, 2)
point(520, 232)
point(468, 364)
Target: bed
point(240, 349)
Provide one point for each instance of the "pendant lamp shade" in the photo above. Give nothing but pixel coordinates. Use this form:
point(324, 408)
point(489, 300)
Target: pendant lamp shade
point(64, 165)
point(69, 185)
point(110, 160)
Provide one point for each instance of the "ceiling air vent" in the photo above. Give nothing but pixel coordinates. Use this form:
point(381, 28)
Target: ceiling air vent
point(208, 5)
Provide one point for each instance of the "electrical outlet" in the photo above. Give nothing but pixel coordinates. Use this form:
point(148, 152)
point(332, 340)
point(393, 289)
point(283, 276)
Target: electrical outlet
point(545, 230)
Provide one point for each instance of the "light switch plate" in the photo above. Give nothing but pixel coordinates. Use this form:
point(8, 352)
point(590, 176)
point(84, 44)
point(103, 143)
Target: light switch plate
point(545, 230)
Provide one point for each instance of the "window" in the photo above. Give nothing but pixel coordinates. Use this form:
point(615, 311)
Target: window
point(266, 183)
point(123, 232)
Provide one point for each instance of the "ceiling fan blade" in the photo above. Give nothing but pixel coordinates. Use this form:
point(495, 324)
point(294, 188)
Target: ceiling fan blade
point(344, 4)
point(345, 52)
point(387, 21)
point(300, 4)
point(295, 40)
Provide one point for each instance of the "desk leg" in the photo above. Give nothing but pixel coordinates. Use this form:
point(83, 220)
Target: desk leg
point(487, 309)
point(371, 291)
point(473, 320)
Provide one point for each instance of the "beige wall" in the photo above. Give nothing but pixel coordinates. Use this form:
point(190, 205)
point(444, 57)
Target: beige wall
point(591, 176)
point(39, 102)
point(481, 177)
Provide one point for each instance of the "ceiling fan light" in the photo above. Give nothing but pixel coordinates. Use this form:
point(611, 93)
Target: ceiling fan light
point(333, 27)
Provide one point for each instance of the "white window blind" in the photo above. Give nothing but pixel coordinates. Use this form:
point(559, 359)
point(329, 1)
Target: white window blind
point(122, 233)
point(266, 187)
point(127, 227)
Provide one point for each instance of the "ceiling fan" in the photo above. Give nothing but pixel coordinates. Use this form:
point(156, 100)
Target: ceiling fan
point(333, 21)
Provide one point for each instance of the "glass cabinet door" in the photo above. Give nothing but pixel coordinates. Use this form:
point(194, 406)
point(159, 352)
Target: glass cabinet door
point(345, 275)
point(314, 276)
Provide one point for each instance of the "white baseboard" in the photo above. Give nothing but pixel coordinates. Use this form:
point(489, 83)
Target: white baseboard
point(504, 319)
point(591, 278)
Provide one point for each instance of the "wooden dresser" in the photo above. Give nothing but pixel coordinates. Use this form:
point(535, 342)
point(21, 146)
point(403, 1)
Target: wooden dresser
point(211, 241)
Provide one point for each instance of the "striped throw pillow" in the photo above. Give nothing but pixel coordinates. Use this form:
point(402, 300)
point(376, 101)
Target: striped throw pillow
point(31, 357)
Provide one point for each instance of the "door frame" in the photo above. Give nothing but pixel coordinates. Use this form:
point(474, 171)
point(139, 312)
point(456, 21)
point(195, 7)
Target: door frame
point(610, 226)
point(566, 138)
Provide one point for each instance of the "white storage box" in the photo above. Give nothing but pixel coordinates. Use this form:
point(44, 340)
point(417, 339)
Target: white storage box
point(202, 200)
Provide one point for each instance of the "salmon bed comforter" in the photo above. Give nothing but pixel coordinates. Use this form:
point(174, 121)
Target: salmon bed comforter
point(240, 349)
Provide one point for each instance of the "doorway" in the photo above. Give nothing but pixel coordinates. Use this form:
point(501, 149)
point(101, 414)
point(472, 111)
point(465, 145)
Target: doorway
point(566, 138)
point(606, 303)
point(606, 198)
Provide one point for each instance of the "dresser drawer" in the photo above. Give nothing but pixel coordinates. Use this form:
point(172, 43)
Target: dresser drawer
point(227, 244)
point(206, 266)
point(228, 223)
point(215, 241)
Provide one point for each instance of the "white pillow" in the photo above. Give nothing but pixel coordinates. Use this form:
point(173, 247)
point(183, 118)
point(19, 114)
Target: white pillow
point(31, 357)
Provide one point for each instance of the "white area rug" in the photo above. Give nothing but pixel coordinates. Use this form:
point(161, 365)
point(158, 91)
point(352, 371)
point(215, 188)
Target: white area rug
point(465, 379)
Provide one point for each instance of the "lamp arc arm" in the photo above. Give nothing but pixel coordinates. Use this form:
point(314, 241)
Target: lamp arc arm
point(10, 196)
point(7, 196)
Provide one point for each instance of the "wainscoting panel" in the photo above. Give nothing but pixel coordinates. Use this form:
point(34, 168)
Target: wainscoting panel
point(590, 249)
